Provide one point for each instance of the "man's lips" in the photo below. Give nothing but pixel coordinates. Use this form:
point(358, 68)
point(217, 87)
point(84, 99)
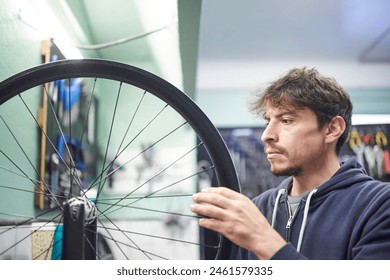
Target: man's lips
point(273, 151)
point(271, 155)
point(268, 152)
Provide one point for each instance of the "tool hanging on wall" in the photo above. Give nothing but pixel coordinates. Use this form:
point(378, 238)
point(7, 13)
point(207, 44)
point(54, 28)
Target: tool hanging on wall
point(69, 93)
point(369, 144)
point(39, 199)
point(68, 183)
point(357, 146)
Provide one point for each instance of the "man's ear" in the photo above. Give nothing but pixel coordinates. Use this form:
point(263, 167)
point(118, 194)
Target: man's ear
point(335, 129)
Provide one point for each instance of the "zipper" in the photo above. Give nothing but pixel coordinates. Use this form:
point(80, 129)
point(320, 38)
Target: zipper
point(289, 214)
point(290, 220)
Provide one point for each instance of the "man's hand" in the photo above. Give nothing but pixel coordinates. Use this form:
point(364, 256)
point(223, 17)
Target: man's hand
point(236, 217)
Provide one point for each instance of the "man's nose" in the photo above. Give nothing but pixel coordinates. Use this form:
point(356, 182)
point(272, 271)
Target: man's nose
point(269, 134)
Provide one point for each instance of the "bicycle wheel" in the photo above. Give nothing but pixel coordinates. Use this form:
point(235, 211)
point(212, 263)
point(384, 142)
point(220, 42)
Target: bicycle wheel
point(116, 135)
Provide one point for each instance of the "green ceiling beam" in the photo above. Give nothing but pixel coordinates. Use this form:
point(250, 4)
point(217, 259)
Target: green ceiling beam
point(189, 12)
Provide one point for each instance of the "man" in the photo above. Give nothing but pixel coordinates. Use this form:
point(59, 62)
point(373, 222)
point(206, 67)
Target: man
point(324, 210)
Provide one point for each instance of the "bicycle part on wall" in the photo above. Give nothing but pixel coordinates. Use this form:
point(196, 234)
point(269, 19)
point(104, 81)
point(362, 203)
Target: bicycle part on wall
point(144, 124)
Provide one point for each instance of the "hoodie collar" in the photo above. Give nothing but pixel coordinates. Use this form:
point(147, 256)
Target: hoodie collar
point(349, 173)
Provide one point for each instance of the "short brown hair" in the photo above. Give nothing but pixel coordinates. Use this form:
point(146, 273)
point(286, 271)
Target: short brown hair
point(306, 88)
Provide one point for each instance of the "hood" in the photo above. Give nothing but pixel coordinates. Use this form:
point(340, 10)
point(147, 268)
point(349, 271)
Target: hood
point(349, 173)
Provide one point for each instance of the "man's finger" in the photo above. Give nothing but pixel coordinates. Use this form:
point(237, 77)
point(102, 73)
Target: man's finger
point(226, 192)
point(209, 210)
point(212, 224)
point(213, 198)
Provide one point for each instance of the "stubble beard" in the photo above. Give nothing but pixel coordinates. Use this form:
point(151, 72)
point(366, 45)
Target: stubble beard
point(291, 171)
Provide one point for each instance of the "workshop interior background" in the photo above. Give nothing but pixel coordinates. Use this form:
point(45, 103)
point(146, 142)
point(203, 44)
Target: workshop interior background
point(218, 52)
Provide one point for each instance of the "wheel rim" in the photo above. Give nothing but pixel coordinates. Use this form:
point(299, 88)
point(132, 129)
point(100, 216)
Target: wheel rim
point(151, 85)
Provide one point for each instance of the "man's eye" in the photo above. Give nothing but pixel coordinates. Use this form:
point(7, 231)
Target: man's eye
point(286, 121)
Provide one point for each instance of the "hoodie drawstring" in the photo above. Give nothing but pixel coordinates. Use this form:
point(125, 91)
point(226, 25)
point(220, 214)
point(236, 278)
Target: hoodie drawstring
point(280, 192)
point(305, 214)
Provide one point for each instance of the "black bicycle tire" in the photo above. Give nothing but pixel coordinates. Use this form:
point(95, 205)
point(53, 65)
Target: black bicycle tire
point(121, 72)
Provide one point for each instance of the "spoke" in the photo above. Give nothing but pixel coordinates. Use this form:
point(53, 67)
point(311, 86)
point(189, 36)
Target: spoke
point(152, 195)
point(155, 176)
point(20, 175)
point(70, 109)
point(172, 184)
point(148, 196)
point(146, 253)
point(130, 123)
point(120, 146)
point(89, 242)
point(70, 169)
point(119, 247)
point(29, 219)
point(87, 116)
point(27, 236)
point(140, 153)
point(86, 120)
point(27, 225)
point(22, 149)
point(29, 160)
point(34, 192)
point(124, 235)
point(36, 183)
point(109, 139)
point(47, 137)
point(121, 206)
point(164, 238)
point(132, 140)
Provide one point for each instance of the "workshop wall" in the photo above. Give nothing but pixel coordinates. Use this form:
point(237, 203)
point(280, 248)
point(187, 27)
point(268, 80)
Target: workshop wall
point(19, 50)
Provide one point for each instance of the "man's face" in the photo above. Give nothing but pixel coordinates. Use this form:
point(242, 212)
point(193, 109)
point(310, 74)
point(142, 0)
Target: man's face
point(294, 144)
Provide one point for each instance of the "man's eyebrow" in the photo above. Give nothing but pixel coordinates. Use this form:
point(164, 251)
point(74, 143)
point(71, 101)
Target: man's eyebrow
point(281, 114)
